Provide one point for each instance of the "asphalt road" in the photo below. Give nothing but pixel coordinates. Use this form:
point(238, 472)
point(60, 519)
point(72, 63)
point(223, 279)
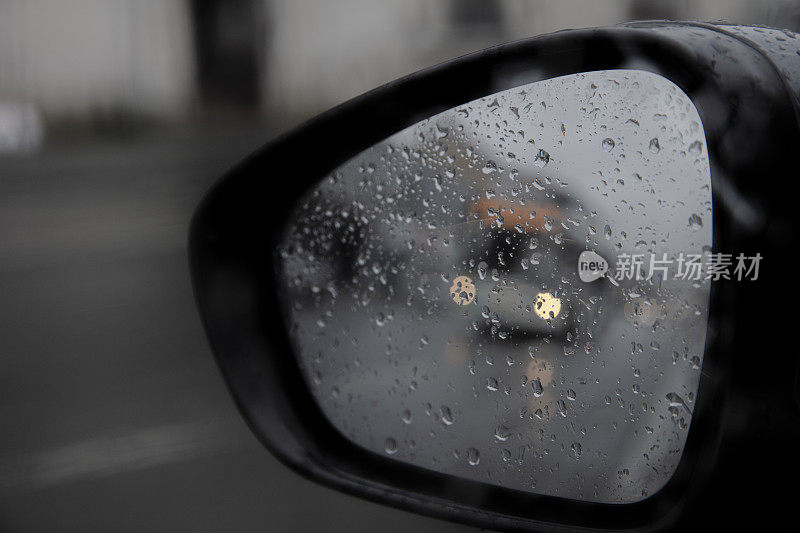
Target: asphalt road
point(113, 413)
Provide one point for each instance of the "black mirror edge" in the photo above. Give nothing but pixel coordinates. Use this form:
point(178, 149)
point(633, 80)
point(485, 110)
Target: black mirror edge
point(235, 230)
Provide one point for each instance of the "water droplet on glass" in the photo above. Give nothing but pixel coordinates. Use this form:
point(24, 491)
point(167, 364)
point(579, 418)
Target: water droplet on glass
point(608, 144)
point(655, 147)
point(482, 268)
point(536, 385)
point(390, 445)
point(447, 416)
point(473, 456)
point(675, 402)
point(571, 395)
point(695, 148)
point(575, 450)
point(542, 158)
point(502, 433)
point(695, 222)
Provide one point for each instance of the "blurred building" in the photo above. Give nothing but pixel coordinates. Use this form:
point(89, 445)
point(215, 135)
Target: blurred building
point(174, 59)
point(87, 57)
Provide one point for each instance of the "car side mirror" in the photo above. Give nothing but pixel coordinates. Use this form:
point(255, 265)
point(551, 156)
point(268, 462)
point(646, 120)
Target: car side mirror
point(512, 290)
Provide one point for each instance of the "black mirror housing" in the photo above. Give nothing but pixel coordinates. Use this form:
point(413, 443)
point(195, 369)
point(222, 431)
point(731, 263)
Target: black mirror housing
point(746, 417)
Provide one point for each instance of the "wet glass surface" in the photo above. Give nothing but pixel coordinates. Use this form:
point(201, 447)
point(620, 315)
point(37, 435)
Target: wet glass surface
point(433, 296)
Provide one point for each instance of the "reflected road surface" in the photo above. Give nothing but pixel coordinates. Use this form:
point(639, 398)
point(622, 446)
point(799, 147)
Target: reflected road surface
point(113, 412)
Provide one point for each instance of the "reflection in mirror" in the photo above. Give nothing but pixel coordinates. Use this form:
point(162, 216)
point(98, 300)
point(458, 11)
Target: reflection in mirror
point(434, 300)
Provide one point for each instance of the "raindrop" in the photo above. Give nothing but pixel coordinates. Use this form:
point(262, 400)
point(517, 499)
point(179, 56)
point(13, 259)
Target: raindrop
point(695, 222)
point(390, 445)
point(655, 147)
point(542, 158)
point(482, 268)
point(502, 433)
point(536, 385)
point(447, 415)
point(571, 395)
point(608, 144)
point(576, 451)
point(695, 148)
point(675, 402)
point(473, 456)
point(406, 416)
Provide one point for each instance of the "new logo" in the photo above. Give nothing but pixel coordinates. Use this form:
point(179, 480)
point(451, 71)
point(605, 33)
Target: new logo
point(591, 266)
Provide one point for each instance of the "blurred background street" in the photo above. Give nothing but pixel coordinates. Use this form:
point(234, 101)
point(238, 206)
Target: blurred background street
point(115, 118)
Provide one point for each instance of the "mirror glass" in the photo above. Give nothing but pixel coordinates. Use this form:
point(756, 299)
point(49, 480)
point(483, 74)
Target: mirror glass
point(435, 300)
